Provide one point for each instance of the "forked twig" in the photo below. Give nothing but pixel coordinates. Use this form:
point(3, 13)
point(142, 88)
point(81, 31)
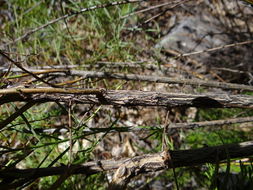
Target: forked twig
point(17, 64)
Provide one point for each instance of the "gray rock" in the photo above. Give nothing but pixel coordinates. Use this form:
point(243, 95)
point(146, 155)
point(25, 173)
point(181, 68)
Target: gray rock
point(194, 33)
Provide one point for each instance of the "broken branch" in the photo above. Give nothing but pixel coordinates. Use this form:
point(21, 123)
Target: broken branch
point(125, 97)
point(128, 168)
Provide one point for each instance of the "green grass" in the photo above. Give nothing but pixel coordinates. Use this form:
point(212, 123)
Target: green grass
point(90, 36)
point(199, 138)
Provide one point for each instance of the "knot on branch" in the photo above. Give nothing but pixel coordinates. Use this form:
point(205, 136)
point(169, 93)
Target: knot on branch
point(167, 159)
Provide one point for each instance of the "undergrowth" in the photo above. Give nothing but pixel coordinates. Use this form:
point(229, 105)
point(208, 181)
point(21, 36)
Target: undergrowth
point(82, 40)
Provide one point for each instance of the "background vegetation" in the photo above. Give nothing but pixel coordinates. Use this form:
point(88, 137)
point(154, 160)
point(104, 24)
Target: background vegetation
point(110, 40)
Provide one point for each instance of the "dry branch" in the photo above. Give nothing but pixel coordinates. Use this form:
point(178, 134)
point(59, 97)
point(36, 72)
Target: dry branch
point(216, 48)
point(125, 97)
point(133, 77)
point(190, 125)
point(145, 78)
point(17, 64)
point(220, 122)
point(98, 64)
point(131, 167)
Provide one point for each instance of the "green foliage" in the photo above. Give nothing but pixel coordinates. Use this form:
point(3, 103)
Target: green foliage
point(90, 36)
point(202, 137)
point(76, 182)
point(222, 113)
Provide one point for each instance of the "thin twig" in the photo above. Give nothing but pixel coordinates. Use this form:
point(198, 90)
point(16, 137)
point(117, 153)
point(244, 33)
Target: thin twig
point(157, 79)
point(216, 48)
point(18, 113)
point(148, 9)
point(145, 78)
point(49, 91)
point(138, 129)
point(17, 64)
point(36, 73)
point(200, 124)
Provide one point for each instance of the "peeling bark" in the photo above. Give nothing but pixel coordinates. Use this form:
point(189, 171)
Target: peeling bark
point(128, 168)
point(126, 98)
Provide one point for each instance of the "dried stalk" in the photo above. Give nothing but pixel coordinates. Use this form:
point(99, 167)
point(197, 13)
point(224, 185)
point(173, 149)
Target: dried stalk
point(138, 129)
point(145, 78)
point(17, 64)
point(99, 64)
point(133, 77)
point(48, 71)
point(125, 97)
point(221, 122)
point(128, 168)
point(49, 91)
point(217, 48)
